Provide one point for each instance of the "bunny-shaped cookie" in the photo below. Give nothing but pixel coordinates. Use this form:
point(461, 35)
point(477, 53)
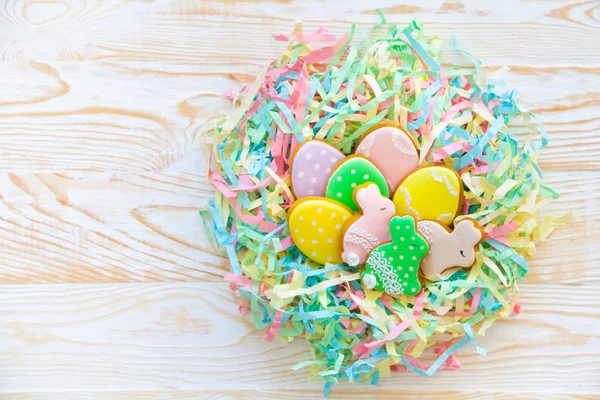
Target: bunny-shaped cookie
point(372, 226)
point(394, 267)
point(448, 250)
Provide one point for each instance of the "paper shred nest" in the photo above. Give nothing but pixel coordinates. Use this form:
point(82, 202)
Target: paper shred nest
point(325, 87)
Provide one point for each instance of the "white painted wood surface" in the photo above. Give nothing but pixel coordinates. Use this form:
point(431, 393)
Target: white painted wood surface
point(110, 288)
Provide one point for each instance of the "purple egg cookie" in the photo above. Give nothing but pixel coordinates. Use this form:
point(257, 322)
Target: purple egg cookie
point(311, 167)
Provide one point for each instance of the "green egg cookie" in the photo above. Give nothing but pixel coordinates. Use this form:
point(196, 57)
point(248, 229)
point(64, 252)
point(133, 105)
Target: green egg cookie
point(350, 173)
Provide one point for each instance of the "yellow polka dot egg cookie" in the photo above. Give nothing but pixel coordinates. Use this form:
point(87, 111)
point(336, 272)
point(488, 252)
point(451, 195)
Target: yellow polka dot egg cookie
point(316, 227)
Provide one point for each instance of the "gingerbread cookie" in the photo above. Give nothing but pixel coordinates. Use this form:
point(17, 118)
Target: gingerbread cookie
point(432, 193)
point(394, 267)
point(392, 151)
point(312, 163)
point(370, 228)
point(316, 227)
point(449, 250)
point(351, 173)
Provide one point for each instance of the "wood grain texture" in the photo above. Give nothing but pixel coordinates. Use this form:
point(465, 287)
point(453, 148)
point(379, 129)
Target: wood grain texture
point(293, 394)
point(146, 116)
point(144, 227)
point(101, 177)
point(190, 336)
point(105, 227)
point(211, 30)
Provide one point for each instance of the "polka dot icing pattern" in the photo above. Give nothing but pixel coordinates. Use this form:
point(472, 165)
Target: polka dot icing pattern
point(394, 267)
point(430, 193)
point(392, 151)
point(449, 250)
point(316, 228)
point(312, 164)
point(370, 228)
point(351, 173)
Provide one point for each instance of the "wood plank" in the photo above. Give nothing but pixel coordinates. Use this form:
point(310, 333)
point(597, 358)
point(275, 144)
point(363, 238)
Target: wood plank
point(106, 227)
point(292, 394)
point(190, 336)
point(149, 114)
point(567, 256)
point(517, 32)
point(101, 117)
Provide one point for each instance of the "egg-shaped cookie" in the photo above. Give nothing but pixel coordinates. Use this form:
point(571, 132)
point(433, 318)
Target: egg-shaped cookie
point(392, 151)
point(430, 193)
point(353, 171)
point(312, 163)
point(316, 227)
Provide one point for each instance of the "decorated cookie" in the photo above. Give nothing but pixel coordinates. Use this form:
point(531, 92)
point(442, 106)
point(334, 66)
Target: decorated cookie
point(392, 151)
point(371, 227)
point(448, 250)
point(312, 163)
point(394, 267)
point(316, 227)
point(351, 173)
point(430, 193)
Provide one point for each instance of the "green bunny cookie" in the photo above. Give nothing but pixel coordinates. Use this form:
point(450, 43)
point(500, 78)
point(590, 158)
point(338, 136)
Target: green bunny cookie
point(394, 267)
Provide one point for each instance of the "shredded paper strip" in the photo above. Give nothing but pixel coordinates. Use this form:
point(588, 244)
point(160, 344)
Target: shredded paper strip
point(323, 87)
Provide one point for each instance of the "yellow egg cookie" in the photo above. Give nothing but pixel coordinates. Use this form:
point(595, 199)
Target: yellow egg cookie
point(430, 193)
point(316, 227)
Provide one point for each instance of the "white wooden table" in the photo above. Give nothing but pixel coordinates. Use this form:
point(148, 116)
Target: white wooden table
point(110, 289)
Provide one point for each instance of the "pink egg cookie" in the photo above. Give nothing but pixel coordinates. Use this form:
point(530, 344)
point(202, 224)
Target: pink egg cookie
point(311, 167)
point(392, 151)
point(369, 229)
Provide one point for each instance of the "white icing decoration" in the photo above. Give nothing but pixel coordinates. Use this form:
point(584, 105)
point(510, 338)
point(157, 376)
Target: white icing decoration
point(424, 229)
point(366, 145)
point(361, 237)
point(446, 216)
point(408, 202)
point(363, 233)
point(444, 179)
point(369, 281)
point(411, 151)
point(385, 271)
point(352, 259)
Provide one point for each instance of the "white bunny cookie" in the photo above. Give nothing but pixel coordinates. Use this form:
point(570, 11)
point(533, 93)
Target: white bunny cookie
point(448, 250)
